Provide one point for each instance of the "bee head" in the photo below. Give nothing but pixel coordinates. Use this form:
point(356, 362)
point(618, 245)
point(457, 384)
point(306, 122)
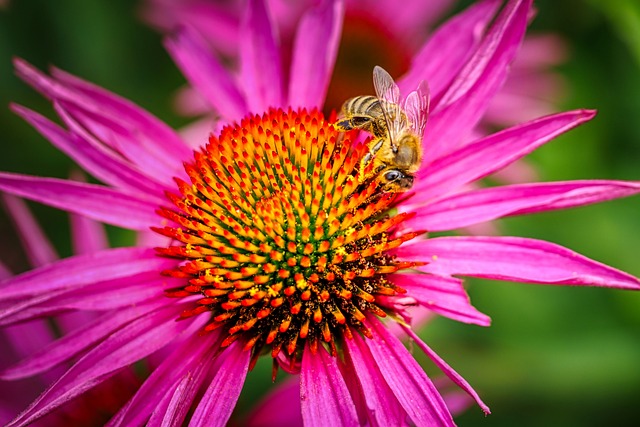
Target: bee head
point(394, 181)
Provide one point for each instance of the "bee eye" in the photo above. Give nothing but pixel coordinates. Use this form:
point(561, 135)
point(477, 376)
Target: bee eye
point(359, 121)
point(392, 175)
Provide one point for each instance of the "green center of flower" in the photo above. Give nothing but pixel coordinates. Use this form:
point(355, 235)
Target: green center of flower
point(278, 237)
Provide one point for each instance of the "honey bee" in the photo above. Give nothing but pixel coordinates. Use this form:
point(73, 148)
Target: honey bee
point(396, 146)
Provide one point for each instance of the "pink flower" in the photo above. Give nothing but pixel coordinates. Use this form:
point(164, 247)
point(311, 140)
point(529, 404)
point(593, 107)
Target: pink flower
point(274, 247)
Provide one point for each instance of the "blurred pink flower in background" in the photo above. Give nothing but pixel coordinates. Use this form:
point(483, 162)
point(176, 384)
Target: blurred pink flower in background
point(274, 248)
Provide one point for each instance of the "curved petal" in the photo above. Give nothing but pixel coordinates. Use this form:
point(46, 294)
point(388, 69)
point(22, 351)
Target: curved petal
point(87, 236)
point(77, 341)
point(83, 270)
point(314, 54)
point(514, 258)
point(36, 244)
point(260, 68)
point(448, 48)
point(206, 74)
point(489, 154)
point(411, 386)
point(473, 207)
point(124, 347)
point(89, 154)
point(323, 393)
point(184, 356)
point(94, 201)
point(443, 295)
point(448, 371)
point(145, 140)
point(223, 392)
point(465, 101)
point(382, 407)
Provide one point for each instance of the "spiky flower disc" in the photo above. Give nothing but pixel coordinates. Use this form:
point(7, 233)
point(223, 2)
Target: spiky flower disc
point(279, 239)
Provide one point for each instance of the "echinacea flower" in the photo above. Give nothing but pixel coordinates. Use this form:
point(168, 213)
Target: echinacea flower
point(274, 246)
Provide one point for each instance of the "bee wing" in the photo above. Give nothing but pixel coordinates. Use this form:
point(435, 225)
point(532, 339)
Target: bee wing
point(388, 95)
point(416, 106)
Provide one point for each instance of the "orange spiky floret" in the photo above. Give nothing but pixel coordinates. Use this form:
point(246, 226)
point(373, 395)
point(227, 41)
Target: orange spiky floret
point(280, 237)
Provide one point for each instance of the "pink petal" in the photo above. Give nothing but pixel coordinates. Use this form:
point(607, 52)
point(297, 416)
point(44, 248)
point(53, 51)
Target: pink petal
point(129, 129)
point(260, 68)
point(174, 408)
point(94, 201)
point(324, 395)
point(87, 236)
point(206, 74)
point(224, 390)
point(515, 259)
point(449, 372)
point(126, 346)
point(382, 407)
point(449, 47)
point(217, 21)
point(411, 386)
point(105, 295)
point(314, 54)
point(35, 243)
point(83, 270)
point(443, 295)
point(55, 352)
point(489, 154)
point(184, 356)
point(473, 207)
point(126, 139)
point(464, 103)
point(281, 406)
point(89, 154)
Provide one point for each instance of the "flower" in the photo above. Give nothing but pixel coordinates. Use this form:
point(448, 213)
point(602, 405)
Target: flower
point(275, 246)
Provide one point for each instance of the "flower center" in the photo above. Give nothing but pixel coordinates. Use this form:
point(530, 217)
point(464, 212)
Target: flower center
point(278, 237)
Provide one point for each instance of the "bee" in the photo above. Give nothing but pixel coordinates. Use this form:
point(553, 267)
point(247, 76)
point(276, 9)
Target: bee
point(397, 130)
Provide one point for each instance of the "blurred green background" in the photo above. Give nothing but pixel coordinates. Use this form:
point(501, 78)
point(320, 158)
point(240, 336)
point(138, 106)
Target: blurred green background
point(554, 355)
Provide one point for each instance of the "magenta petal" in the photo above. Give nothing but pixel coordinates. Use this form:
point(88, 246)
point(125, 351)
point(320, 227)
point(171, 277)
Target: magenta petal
point(77, 341)
point(411, 386)
point(443, 295)
point(87, 236)
point(457, 113)
point(448, 371)
point(94, 201)
point(206, 74)
point(473, 207)
point(36, 245)
point(260, 68)
point(383, 409)
point(127, 128)
point(124, 347)
point(102, 296)
point(89, 154)
point(175, 406)
point(224, 390)
point(161, 137)
point(83, 270)
point(185, 356)
point(448, 48)
point(516, 259)
point(492, 153)
point(314, 54)
point(324, 395)
point(281, 406)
